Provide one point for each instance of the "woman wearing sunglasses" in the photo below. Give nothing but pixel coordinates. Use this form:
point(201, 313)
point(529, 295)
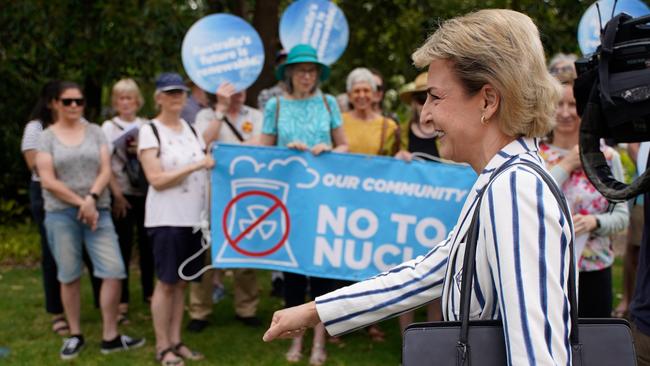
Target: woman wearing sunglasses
point(74, 166)
point(41, 117)
point(173, 158)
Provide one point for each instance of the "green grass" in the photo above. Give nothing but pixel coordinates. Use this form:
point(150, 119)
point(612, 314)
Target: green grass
point(25, 327)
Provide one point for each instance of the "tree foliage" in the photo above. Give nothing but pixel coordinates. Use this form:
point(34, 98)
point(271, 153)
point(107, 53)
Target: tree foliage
point(98, 42)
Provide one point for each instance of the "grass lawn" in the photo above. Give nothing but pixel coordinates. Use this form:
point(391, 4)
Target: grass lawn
point(25, 327)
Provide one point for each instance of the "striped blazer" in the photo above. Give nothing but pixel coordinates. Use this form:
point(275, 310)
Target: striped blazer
point(522, 267)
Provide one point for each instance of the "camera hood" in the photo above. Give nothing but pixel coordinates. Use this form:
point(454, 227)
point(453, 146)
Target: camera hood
point(613, 97)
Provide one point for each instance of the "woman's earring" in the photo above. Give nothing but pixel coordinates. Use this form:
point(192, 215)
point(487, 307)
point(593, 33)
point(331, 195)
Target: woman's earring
point(483, 121)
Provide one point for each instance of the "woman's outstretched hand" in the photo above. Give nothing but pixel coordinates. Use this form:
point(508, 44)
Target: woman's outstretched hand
point(292, 322)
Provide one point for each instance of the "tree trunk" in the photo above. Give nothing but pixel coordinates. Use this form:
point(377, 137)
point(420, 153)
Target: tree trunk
point(266, 21)
point(93, 96)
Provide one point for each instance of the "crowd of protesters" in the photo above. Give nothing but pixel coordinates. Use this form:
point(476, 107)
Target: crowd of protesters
point(96, 192)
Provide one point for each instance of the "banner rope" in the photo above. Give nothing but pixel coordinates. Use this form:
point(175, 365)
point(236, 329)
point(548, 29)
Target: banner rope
point(206, 238)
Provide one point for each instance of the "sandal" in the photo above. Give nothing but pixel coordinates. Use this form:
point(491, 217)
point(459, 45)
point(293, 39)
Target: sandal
point(177, 361)
point(620, 313)
point(376, 334)
point(60, 326)
point(318, 355)
point(123, 318)
point(185, 352)
point(294, 354)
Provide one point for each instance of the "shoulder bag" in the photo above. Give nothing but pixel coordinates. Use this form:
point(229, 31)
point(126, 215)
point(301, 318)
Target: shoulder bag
point(594, 342)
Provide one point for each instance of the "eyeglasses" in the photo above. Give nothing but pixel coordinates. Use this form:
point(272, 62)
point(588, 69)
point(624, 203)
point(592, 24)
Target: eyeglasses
point(555, 70)
point(311, 71)
point(420, 98)
point(174, 92)
point(68, 101)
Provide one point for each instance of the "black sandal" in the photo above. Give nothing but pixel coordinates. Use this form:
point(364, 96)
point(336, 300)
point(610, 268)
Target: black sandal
point(63, 329)
point(160, 356)
point(193, 355)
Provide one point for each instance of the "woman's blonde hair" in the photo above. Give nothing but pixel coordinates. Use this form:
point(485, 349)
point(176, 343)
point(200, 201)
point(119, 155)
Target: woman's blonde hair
point(501, 48)
point(127, 86)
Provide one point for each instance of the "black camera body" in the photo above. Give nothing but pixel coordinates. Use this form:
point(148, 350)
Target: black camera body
point(612, 94)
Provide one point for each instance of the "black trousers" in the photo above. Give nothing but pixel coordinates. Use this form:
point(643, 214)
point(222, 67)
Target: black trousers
point(295, 288)
point(51, 285)
point(595, 294)
point(126, 228)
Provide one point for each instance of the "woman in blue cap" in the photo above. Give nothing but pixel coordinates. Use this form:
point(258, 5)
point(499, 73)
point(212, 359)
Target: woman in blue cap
point(174, 160)
point(304, 119)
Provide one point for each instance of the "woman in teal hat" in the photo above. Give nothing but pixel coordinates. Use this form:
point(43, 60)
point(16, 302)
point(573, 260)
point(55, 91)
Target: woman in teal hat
point(304, 119)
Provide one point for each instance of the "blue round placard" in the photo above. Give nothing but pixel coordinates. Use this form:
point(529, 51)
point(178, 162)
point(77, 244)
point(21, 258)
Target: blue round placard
point(222, 47)
point(319, 23)
point(589, 26)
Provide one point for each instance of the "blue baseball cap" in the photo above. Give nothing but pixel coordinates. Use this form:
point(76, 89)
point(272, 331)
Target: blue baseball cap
point(170, 81)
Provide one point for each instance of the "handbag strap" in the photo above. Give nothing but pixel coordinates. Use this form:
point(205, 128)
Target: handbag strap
point(469, 261)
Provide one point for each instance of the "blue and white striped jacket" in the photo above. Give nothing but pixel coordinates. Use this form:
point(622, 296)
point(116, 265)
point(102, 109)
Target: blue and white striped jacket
point(522, 267)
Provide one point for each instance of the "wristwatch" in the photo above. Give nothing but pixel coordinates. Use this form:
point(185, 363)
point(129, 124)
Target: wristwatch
point(94, 195)
point(597, 223)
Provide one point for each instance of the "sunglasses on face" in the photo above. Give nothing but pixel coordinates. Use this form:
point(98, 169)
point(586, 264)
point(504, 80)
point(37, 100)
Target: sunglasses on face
point(174, 92)
point(420, 98)
point(68, 101)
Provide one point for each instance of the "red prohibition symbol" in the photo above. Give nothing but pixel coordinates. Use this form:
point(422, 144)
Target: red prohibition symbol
point(235, 242)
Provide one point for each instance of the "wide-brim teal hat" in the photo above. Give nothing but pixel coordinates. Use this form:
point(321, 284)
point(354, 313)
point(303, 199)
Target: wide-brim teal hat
point(303, 53)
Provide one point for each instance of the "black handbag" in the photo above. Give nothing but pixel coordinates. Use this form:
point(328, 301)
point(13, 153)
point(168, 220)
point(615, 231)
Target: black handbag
point(594, 342)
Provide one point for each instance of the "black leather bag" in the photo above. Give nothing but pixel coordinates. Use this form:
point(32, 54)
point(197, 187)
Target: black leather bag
point(594, 342)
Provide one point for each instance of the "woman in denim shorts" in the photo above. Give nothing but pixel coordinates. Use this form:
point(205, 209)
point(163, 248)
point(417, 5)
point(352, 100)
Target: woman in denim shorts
point(73, 163)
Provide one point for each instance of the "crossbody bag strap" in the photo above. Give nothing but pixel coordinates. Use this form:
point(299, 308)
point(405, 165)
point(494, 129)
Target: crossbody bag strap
point(329, 111)
point(382, 137)
point(469, 261)
point(397, 145)
point(114, 122)
point(277, 114)
point(233, 129)
point(154, 129)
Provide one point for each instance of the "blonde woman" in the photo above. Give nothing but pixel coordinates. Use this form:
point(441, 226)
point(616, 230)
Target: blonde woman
point(489, 99)
point(128, 186)
point(174, 160)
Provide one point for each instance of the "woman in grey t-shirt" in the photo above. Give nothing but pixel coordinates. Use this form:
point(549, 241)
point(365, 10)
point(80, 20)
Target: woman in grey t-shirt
point(74, 166)
point(41, 117)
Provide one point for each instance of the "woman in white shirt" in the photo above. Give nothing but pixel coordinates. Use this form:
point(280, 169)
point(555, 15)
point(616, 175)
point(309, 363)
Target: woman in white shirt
point(128, 188)
point(173, 158)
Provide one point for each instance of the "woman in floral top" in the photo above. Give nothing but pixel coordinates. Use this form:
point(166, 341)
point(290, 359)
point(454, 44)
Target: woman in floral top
point(594, 222)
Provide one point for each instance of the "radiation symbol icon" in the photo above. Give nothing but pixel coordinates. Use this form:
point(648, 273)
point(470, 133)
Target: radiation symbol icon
point(265, 229)
point(256, 224)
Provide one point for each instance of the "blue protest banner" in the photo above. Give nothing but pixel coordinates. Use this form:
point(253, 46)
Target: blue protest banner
point(344, 216)
point(319, 23)
point(589, 26)
point(222, 47)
